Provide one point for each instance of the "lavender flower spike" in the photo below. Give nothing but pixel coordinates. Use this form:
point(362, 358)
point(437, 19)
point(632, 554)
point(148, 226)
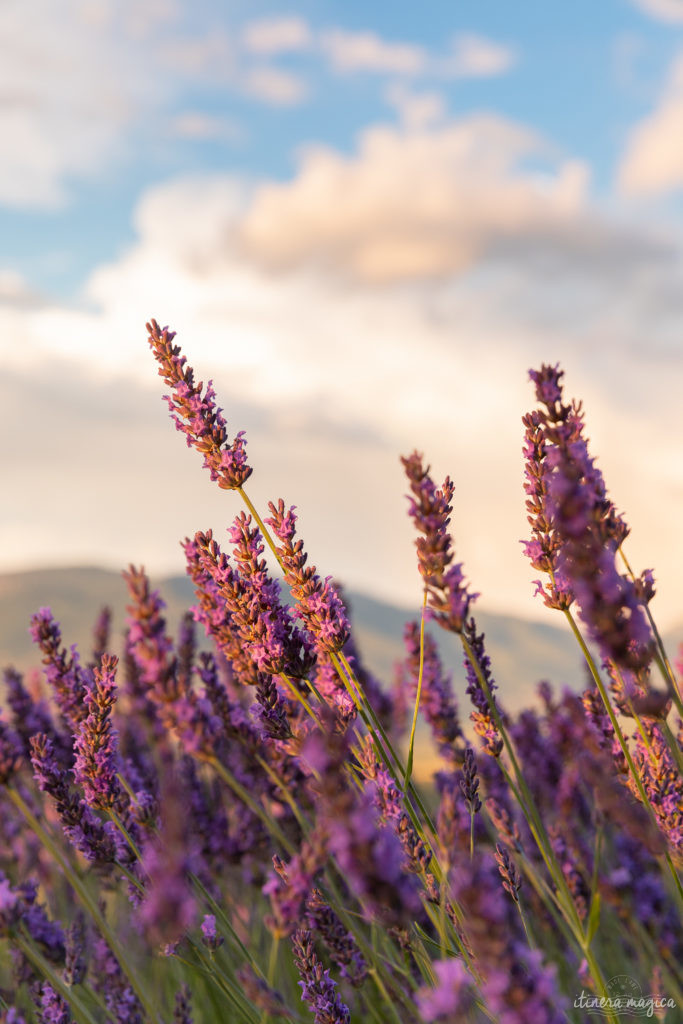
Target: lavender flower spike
point(430, 509)
point(196, 415)
point(96, 760)
point(317, 988)
point(318, 603)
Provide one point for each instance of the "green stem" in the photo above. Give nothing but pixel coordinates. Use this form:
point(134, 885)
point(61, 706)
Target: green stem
point(246, 797)
point(661, 658)
point(411, 744)
point(80, 1011)
point(86, 899)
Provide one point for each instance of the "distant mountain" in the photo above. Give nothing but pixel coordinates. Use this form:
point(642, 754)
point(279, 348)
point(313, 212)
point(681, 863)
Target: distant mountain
point(522, 652)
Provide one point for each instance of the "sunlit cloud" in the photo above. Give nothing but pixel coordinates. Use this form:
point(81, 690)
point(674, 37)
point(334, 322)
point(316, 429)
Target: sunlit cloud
point(653, 160)
point(667, 10)
point(412, 203)
point(269, 36)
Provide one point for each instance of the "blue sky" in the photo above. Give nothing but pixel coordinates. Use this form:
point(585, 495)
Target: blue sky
point(366, 222)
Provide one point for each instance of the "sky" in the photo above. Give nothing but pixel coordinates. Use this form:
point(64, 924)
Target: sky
point(366, 223)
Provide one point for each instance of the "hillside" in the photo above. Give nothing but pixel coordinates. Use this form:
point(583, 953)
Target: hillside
point(522, 652)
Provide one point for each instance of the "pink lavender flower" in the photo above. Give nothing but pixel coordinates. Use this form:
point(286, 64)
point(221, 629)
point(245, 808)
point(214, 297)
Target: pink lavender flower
point(579, 530)
point(451, 998)
point(218, 594)
point(96, 762)
point(317, 601)
point(196, 415)
point(289, 885)
point(318, 990)
point(275, 643)
point(430, 509)
point(663, 785)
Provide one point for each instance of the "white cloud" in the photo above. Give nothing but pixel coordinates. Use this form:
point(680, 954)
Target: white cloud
point(332, 383)
point(475, 56)
point(665, 10)
point(416, 109)
point(411, 203)
point(366, 51)
point(68, 92)
point(275, 86)
point(269, 36)
point(196, 124)
point(653, 159)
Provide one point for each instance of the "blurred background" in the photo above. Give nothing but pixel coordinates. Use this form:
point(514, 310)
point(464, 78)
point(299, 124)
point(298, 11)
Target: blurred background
point(366, 222)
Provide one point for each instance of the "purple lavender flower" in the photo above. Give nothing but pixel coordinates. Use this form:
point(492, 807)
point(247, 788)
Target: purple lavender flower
point(451, 998)
point(210, 936)
point(53, 1009)
point(271, 709)
point(10, 753)
point(76, 964)
point(64, 673)
point(663, 784)
point(95, 744)
point(391, 804)
point(469, 783)
point(11, 1016)
point(101, 634)
point(482, 717)
point(149, 644)
point(317, 988)
point(18, 905)
point(511, 877)
point(261, 995)
point(289, 885)
point(196, 415)
point(29, 716)
point(340, 944)
point(169, 908)
point(186, 649)
point(369, 855)
point(81, 825)
point(111, 983)
point(317, 601)
point(524, 989)
point(182, 1012)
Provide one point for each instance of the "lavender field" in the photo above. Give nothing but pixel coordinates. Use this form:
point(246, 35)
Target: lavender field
point(240, 830)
